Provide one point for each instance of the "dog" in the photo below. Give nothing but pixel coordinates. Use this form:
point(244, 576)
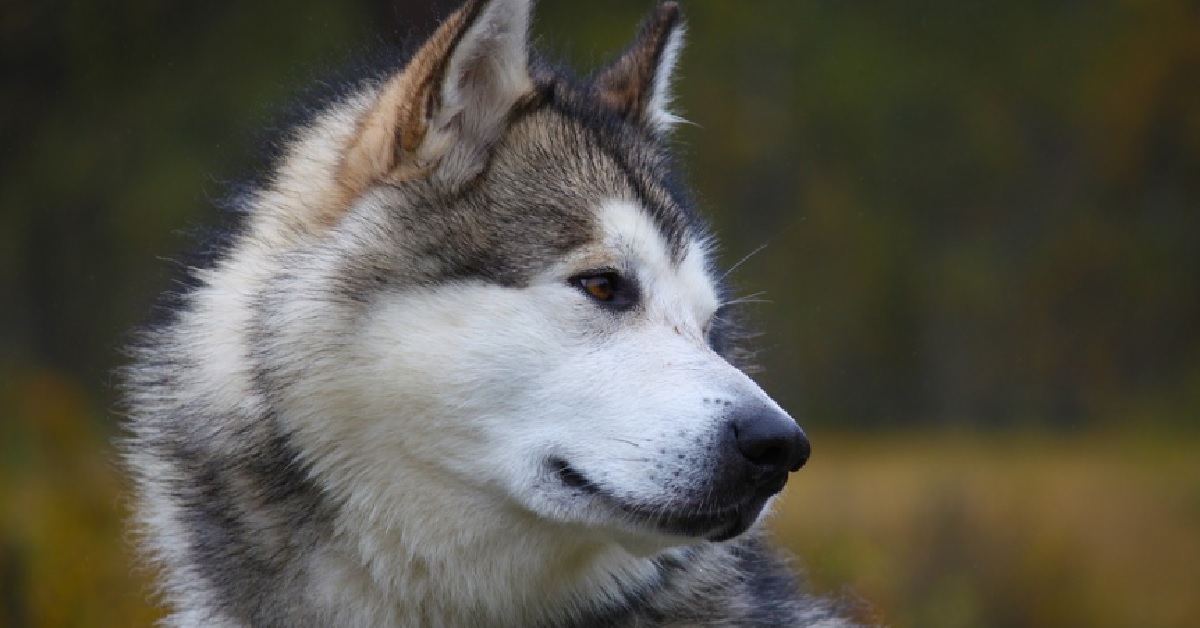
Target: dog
point(466, 361)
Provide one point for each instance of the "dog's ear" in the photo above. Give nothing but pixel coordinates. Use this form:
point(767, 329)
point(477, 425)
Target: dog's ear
point(638, 84)
point(441, 115)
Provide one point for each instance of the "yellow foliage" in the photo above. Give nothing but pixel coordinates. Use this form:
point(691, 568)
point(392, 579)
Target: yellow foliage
point(985, 530)
point(64, 559)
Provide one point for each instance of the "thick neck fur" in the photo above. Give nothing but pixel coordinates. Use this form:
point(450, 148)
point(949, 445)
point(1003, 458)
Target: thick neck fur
point(462, 559)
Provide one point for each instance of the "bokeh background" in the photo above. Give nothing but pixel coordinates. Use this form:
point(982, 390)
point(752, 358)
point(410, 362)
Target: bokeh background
point(980, 284)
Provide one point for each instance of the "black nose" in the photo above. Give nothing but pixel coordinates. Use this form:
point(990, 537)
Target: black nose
point(772, 442)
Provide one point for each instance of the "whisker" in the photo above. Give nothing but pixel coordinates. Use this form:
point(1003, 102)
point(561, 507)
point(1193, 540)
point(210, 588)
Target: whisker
point(750, 298)
point(743, 260)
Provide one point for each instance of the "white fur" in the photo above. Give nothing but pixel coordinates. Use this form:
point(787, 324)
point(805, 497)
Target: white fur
point(661, 96)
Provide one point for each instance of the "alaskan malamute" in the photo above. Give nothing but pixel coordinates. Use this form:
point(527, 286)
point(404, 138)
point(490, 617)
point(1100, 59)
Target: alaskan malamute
point(466, 362)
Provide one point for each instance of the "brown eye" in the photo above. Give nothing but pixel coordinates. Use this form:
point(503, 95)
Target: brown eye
point(608, 289)
point(600, 287)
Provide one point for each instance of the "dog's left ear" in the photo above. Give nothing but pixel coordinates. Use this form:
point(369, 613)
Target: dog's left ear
point(440, 117)
point(638, 84)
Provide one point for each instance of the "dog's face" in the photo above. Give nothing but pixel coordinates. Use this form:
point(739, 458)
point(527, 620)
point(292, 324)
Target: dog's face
point(535, 314)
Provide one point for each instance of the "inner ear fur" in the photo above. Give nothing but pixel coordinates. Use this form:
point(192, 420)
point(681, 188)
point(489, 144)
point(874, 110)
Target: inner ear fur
point(440, 115)
point(638, 83)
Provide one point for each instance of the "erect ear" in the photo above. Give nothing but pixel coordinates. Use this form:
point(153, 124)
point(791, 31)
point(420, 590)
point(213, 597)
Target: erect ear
point(638, 84)
point(441, 115)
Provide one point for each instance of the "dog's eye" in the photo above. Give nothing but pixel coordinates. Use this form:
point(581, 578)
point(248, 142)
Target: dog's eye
point(608, 288)
point(602, 287)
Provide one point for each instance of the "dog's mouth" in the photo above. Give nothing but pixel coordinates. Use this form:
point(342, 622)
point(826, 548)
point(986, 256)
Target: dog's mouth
point(714, 524)
point(572, 478)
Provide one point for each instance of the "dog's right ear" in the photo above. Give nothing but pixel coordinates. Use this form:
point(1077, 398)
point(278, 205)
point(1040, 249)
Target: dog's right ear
point(440, 117)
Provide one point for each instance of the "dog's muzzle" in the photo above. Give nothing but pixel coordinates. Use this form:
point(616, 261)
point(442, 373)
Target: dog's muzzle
point(757, 448)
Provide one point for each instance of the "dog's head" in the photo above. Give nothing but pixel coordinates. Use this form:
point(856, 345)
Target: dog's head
point(502, 286)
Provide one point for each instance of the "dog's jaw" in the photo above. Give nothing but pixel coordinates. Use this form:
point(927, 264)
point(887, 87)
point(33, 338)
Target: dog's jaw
point(466, 557)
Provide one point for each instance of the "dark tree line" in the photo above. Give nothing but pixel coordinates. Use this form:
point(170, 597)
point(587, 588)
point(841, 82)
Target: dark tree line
point(984, 214)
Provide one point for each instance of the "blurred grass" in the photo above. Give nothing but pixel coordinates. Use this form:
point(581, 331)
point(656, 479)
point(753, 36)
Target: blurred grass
point(64, 556)
point(1003, 529)
point(932, 529)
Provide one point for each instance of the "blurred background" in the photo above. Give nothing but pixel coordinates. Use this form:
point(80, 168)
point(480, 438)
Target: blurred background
point(981, 273)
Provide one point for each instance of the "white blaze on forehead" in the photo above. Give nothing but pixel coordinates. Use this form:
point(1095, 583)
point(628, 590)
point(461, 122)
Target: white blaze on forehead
point(685, 290)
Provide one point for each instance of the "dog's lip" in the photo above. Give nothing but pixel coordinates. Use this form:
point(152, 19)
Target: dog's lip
point(716, 525)
point(571, 477)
